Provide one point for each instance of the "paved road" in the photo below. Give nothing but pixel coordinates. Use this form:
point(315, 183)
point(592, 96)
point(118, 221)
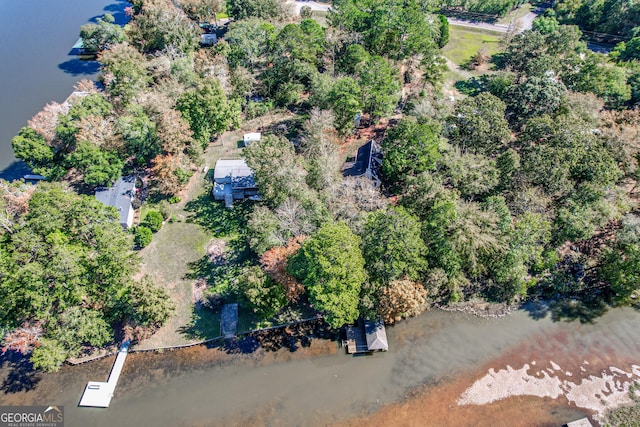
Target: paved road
point(312, 4)
point(522, 24)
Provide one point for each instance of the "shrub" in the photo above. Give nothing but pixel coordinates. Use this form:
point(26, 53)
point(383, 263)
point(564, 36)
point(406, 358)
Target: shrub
point(142, 236)
point(256, 109)
point(153, 221)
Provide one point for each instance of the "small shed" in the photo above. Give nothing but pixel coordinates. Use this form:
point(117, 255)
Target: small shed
point(248, 138)
point(120, 196)
point(233, 180)
point(229, 320)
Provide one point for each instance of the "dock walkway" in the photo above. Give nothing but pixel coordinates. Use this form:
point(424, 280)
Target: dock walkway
point(98, 394)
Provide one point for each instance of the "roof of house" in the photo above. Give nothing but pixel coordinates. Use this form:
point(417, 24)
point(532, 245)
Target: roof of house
point(363, 161)
point(252, 136)
point(119, 195)
point(234, 172)
point(376, 335)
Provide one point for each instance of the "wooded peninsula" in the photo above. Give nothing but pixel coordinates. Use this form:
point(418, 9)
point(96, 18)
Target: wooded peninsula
point(502, 169)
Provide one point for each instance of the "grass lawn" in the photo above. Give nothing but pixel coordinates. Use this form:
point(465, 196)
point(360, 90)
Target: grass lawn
point(464, 42)
point(177, 258)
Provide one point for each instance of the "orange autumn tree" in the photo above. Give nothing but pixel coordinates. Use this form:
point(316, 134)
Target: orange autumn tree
point(274, 262)
point(402, 298)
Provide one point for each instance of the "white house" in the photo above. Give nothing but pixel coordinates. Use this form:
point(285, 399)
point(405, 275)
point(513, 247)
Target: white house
point(233, 180)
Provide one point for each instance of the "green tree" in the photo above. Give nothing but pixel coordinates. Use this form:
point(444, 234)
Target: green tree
point(380, 86)
point(265, 296)
point(153, 220)
point(207, 111)
point(102, 34)
point(263, 9)
point(48, 355)
point(620, 261)
point(392, 246)
point(32, 148)
point(160, 25)
point(99, 167)
point(352, 56)
point(594, 74)
point(344, 99)
point(443, 38)
point(410, 148)
point(277, 169)
point(68, 254)
point(148, 304)
point(397, 29)
point(535, 97)
point(478, 124)
point(142, 236)
point(331, 267)
point(249, 39)
point(140, 134)
point(124, 72)
point(474, 175)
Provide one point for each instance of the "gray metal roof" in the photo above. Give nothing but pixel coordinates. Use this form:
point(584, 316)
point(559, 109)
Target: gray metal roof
point(119, 196)
point(376, 335)
point(234, 172)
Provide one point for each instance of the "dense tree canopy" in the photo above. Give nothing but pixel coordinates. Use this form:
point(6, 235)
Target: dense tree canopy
point(102, 34)
point(331, 267)
point(410, 148)
point(67, 265)
point(392, 246)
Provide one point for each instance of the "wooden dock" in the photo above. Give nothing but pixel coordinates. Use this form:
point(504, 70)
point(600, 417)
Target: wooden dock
point(356, 341)
point(229, 320)
point(98, 394)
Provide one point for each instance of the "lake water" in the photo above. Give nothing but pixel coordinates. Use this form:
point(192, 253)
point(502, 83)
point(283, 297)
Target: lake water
point(318, 384)
point(37, 36)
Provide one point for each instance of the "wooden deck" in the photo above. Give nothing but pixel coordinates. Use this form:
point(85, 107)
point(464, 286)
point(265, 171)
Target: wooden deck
point(356, 341)
point(229, 320)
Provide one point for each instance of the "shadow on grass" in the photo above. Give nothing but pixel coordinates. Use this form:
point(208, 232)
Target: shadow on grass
point(205, 324)
point(214, 216)
point(21, 375)
point(471, 87)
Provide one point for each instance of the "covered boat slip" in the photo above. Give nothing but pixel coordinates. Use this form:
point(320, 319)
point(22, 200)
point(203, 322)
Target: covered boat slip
point(365, 337)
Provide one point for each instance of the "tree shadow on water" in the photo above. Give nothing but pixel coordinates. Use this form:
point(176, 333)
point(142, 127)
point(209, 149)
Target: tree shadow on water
point(21, 375)
point(117, 10)
point(80, 67)
point(585, 308)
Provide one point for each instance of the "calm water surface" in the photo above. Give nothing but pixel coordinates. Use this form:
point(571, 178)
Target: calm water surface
point(317, 385)
point(35, 68)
